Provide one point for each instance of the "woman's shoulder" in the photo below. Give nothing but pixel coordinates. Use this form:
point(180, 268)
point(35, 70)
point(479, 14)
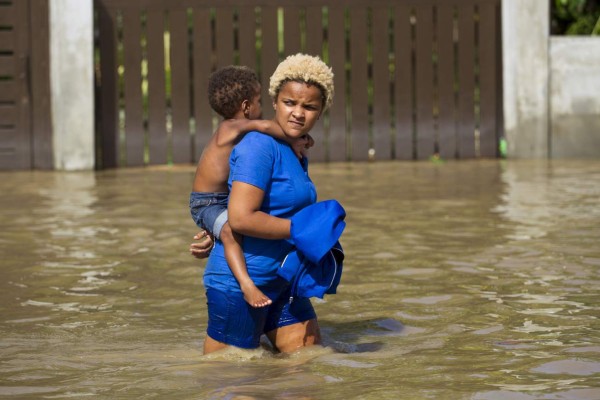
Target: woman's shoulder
point(255, 139)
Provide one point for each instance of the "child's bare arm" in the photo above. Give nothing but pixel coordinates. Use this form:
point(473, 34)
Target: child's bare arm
point(231, 130)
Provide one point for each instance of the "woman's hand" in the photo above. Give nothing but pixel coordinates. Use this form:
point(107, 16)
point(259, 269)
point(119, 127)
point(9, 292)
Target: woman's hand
point(203, 245)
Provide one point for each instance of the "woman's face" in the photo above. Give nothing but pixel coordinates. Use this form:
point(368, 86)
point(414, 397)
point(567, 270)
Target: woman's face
point(297, 108)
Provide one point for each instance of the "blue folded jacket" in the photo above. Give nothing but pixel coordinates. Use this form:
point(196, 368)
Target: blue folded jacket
point(314, 266)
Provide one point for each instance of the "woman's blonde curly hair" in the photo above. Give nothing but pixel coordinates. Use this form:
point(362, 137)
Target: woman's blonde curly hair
point(303, 68)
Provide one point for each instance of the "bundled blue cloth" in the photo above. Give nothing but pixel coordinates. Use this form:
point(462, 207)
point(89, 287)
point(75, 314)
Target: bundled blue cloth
point(314, 266)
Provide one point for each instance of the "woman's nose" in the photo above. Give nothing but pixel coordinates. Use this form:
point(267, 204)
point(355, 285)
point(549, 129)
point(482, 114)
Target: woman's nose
point(297, 112)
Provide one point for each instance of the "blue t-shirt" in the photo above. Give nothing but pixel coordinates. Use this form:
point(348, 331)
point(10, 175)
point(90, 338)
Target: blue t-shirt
point(272, 166)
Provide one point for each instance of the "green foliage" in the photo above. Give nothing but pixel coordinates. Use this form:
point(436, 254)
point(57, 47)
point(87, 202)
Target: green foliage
point(575, 17)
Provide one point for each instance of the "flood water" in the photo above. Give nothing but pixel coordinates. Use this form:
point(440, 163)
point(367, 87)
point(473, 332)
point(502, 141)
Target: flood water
point(463, 280)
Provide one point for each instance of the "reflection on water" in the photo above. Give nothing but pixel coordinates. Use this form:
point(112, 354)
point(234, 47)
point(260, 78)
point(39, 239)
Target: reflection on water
point(473, 280)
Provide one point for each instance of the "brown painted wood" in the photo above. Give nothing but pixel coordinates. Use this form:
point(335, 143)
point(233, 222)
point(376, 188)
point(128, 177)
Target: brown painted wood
point(8, 65)
point(488, 143)
point(174, 4)
point(181, 144)
point(7, 40)
point(15, 132)
point(224, 36)
point(403, 81)
point(359, 134)
point(269, 57)
point(381, 126)
point(239, 29)
point(8, 91)
point(157, 131)
point(291, 30)
point(337, 138)
point(466, 79)
point(41, 122)
point(382, 123)
point(106, 112)
point(424, 71)
point(202, 68)
point(247, 36)
point(446, 103)
point(314, 46)
point(132, 51)
point(8, 114)
point(9, 14)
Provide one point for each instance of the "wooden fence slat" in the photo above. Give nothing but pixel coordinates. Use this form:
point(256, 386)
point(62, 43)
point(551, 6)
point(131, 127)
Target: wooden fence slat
point(291, 30)
point(314, 31)
point(381, 84)
point(337, 142)
point(403, 79)
point(445, 82)
point(202, 68)
point(8, 114)
point(269, 57)
point(8, 65)
point(107, 112)
point(224, 36)
point(180, 86)
point(247, 36)
point(424, 92)
point(359, 85)
point(8, 14)
point(466, 77)
point(7, 40)
point(314, 46)
point(488, 144)
point(40, 84)
point(157, 130)
point(23, 98)
point(134, 132)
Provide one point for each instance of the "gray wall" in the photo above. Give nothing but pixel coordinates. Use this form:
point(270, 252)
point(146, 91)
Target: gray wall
point(551, 86)
point(72, 83)
point(575, 97)
point(525, 30)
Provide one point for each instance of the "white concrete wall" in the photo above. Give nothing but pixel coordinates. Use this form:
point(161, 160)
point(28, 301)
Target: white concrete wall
point(575, 97)
point(72, 83)
point(525, 32)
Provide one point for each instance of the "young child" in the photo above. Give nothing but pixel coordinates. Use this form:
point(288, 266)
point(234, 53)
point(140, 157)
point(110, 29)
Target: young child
point(234, 94)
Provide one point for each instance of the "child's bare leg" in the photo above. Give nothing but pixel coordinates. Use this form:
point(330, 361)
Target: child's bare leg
point(237, 263)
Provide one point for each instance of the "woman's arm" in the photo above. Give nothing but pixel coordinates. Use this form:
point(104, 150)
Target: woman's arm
point(246, 218)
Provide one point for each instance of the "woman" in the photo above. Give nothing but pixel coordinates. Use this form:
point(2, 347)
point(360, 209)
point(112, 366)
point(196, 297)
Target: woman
point(268, 185)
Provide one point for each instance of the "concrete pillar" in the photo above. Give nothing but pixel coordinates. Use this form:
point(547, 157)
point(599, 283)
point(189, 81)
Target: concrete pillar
point(72, 83)
point(525, 37)
point(575, 96)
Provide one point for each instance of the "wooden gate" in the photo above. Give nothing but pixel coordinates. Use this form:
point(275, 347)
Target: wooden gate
point(25, 132)
point(413, 78)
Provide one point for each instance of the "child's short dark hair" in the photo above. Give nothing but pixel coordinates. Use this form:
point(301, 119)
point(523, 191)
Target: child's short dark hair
point(229, 86)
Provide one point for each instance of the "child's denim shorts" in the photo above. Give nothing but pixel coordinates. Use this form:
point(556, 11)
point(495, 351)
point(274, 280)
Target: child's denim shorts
point(209, 211)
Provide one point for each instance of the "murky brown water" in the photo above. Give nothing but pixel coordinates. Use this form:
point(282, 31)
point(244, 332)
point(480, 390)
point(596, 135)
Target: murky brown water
point(470, 280)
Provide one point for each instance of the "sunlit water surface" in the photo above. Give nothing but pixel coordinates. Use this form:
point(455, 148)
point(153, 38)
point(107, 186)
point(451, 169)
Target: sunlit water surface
point(464, 280)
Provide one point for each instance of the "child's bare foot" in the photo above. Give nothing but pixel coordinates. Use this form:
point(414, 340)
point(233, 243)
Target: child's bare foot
point(255, 297)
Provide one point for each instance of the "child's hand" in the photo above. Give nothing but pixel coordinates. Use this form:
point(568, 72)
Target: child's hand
point(203, 245)
point(301, 144)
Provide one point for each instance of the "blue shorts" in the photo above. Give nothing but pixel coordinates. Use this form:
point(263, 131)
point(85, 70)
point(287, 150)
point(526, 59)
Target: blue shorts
point(231, 320)
point(209, 211)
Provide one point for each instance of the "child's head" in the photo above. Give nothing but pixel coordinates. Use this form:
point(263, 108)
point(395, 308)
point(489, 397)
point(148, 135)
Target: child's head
point(304, 68)
point(229, 87)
